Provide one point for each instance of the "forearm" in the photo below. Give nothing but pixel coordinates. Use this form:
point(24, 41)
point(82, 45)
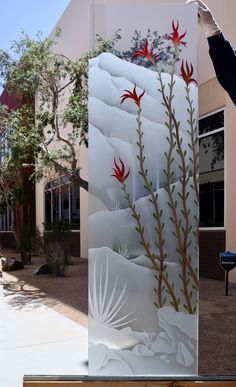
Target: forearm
point(224, 60)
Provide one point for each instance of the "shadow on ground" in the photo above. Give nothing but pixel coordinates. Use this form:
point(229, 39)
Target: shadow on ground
point(20, 296)
point(68, 295)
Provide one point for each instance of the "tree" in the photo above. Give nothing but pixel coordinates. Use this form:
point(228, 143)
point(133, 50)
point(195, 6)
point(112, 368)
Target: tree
point(18, 153)
point(53, 91)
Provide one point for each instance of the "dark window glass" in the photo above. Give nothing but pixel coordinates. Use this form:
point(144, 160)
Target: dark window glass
point(65, 180)
point(219, 206)
point(48, 203)
point(213, 122)
point(55, 182)
point(5, 219)
point(75, 208)
point(65, 212)
point(1, 222)
point(56, 204)
point(212, 204)
point(10, 219)
point(48, 186)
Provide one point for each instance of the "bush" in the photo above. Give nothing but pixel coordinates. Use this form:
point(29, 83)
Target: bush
point(36, 242)
point(57, 240)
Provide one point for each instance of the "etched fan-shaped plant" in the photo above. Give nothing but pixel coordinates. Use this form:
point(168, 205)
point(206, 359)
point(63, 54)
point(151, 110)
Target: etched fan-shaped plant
point(123, 250)
point(106, 306)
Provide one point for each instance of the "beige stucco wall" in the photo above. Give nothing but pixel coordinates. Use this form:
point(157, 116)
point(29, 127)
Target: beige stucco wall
point(73, 41)
point(211, 97)
point(76, 38)
point(230, 184)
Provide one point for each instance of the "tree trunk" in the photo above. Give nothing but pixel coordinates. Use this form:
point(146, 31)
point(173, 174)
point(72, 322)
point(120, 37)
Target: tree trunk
point(29, 232)
point(16, 231)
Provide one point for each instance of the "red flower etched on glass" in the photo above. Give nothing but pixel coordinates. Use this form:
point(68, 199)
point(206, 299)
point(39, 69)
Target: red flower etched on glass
point(147, 53)
point(132, 95)
point(119, 171)
point(176, 38)
point(187, 72)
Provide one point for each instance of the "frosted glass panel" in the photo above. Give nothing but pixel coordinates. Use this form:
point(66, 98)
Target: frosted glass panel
point(143, 209)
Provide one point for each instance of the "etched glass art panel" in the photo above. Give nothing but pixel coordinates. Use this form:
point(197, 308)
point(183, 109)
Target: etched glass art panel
point(143, 182)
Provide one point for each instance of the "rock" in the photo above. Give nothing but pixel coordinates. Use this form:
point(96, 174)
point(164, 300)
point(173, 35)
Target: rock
point(43, 269)
point(10, 264)
point(181, 330)
point(100, 356)
point(163, 344)
point(142, 350)
point(184, 356)
point(177, 325)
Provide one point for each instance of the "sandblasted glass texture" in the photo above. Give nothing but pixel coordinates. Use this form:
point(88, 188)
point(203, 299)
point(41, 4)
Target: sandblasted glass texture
point(143, 205)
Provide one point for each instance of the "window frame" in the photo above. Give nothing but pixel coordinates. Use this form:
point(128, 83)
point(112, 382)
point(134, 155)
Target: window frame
point(212, 132)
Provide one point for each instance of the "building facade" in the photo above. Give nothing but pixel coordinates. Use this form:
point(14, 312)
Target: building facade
point(217, 140)
point(217, 135)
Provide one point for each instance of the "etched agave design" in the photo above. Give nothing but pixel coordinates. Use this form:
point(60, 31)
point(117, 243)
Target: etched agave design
point(123, 250)
point(105, 305)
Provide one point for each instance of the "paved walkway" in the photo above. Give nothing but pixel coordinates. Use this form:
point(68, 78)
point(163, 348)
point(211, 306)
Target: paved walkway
point(36, 340)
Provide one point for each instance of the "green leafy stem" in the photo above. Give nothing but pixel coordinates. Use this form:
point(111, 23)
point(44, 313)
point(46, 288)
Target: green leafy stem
point(153, 258)
point(181, 232)
point(160, 243)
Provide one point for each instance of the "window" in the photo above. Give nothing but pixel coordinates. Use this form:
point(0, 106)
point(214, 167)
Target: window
point(6, 218)
point(62, 202)
point(211, 169)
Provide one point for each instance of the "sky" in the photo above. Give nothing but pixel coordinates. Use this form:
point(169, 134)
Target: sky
point(29, 15)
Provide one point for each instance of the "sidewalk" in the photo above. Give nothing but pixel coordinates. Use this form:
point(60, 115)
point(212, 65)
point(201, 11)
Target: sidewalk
point(36, 340)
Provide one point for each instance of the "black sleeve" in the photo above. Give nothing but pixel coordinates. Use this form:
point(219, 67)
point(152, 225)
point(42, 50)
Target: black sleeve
point(224, 60)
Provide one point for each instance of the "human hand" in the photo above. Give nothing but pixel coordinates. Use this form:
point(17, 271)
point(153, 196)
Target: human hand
point(206, 19)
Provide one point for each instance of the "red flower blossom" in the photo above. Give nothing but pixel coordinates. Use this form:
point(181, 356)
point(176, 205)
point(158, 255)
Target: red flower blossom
point(176, 38)
point(146, 53)
point(132, 95)
point(120, 171)
point(187, 73)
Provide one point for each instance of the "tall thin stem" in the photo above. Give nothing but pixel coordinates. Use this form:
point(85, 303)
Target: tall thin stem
point(174, 139)
point(157, 212)
point(146, 247)
point(193, 132)
point(194, 142)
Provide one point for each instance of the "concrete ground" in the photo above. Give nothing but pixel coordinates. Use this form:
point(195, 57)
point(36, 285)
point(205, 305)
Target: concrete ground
point(37, 340)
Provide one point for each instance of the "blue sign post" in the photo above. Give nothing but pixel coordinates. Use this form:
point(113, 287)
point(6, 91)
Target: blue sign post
point(227, 262)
